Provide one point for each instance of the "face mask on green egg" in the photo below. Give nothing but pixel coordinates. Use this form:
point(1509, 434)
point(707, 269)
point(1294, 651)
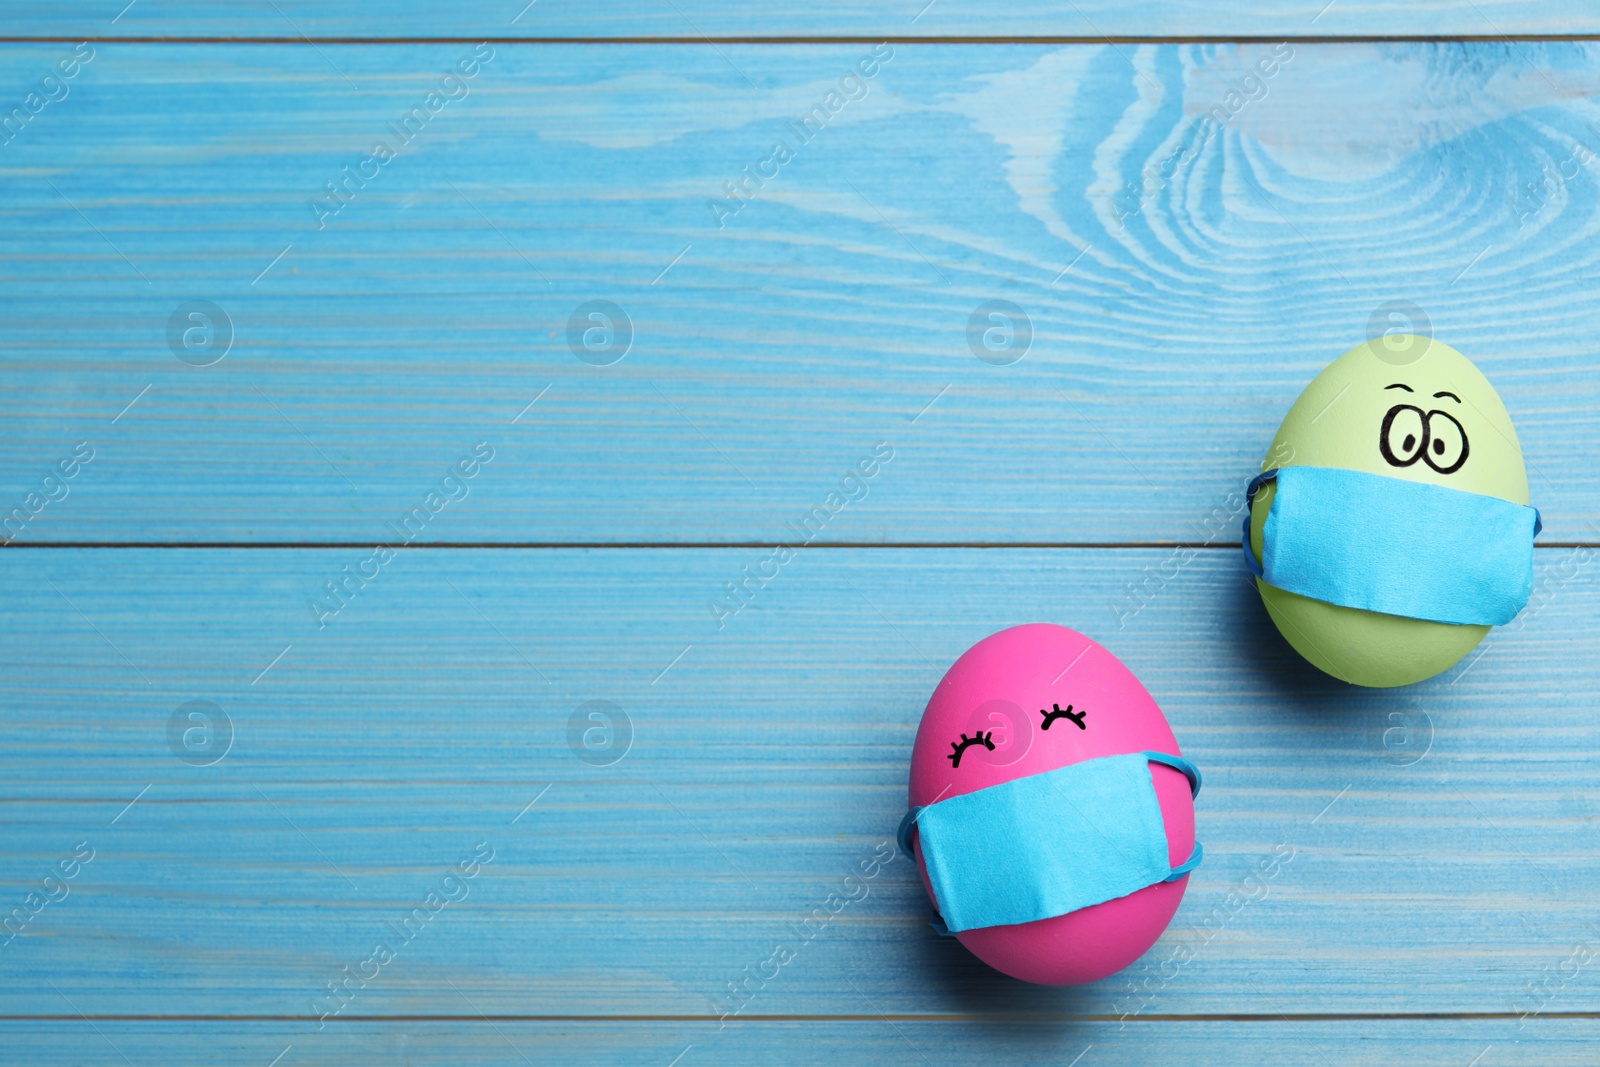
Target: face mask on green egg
point(1390, 527)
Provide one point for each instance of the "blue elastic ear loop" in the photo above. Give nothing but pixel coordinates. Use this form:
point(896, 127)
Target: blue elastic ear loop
point(1191, 772)
point(1249, 501)
point(903, 835)
point(1187, 865)
point(1177, 763)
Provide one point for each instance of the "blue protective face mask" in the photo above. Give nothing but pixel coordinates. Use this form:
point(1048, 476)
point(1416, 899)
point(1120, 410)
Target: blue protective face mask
point(1398, 547)
point(1047, 844)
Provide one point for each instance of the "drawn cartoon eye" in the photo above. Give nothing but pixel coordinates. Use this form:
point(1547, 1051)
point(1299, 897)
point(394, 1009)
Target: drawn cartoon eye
point(1447, 443)
point(986, 739)
point(1404, 435)
point(1052, 716)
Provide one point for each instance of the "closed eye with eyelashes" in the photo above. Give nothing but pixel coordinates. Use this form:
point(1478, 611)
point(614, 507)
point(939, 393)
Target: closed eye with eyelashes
point(984, 738)
point(1057, 713)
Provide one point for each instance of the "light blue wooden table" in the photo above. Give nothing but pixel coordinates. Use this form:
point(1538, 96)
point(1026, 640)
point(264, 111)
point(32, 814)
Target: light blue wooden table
point(244, 747)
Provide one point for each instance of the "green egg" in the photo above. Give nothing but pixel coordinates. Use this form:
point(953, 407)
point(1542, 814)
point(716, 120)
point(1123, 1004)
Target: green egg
point(1343, 419)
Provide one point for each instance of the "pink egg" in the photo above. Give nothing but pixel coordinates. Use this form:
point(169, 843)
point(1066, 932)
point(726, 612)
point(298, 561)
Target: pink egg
point(1003, 686)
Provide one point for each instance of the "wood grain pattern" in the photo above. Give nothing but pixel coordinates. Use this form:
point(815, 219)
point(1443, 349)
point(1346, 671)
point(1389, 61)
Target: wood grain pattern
point(868, 1042)
point(1441, 856)
point(695, 19)
point(772, 353)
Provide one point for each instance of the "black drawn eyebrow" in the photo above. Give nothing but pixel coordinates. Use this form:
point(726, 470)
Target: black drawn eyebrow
point(1399, 385)
point(1451, 395)
point(982, 738)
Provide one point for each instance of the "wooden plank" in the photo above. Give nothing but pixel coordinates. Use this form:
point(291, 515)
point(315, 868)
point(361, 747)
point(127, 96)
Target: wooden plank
point(1092, 19)
point(770, 354)
point(1442, 853)
point(867, 1042)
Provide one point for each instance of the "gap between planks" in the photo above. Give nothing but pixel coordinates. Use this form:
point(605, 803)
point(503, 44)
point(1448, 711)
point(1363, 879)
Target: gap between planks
point(1229, 546)
point(1228, 1017)
point(1466, 38)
